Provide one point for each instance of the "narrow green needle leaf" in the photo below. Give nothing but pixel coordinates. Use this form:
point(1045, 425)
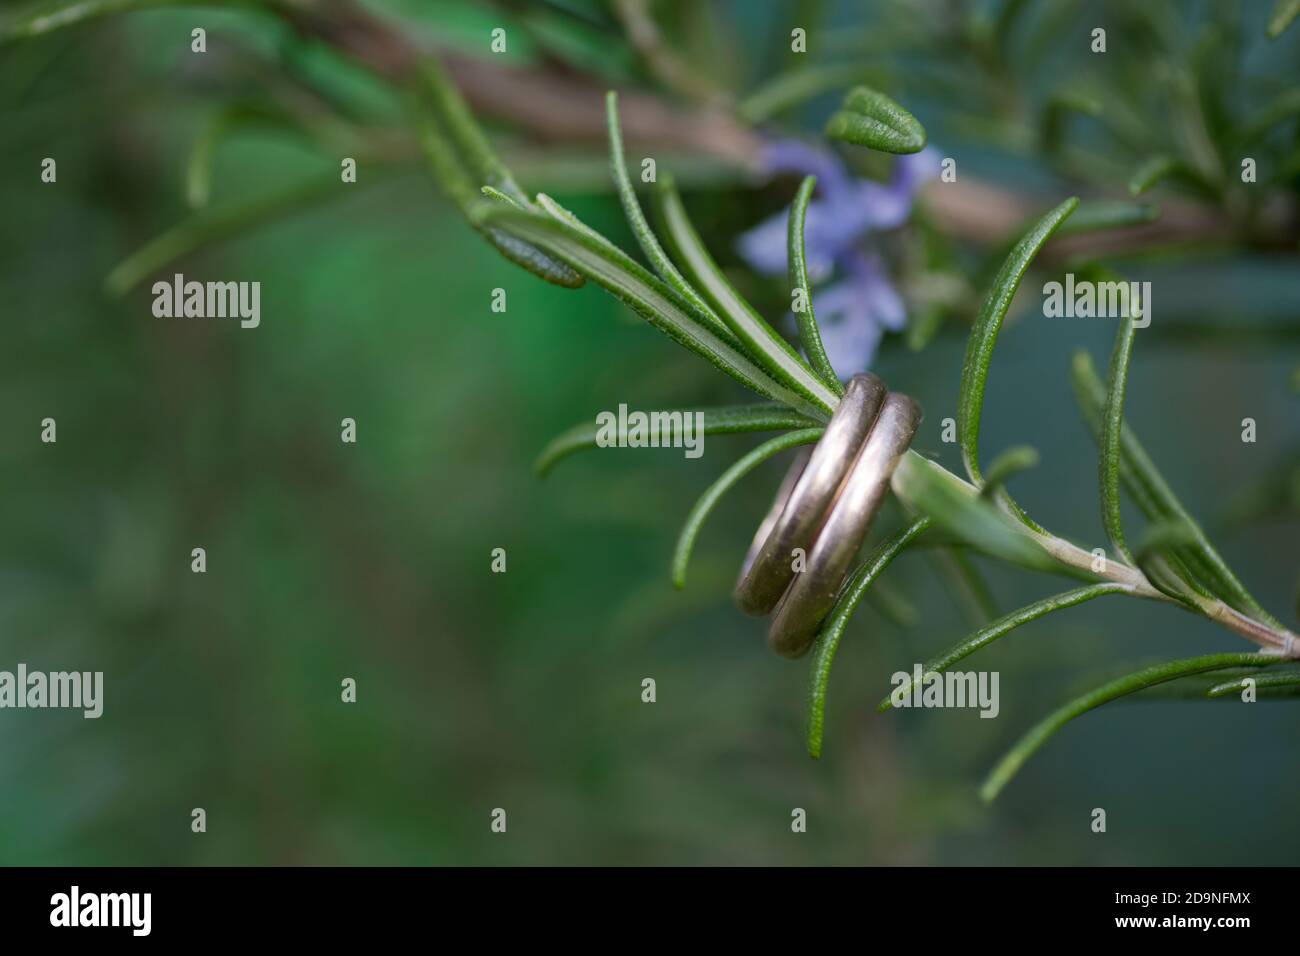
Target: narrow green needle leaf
point(1112, 423)
point(958, 508)
point(1289, 680)
point(1156, 499)
point(870, 118)
point(1284, 13)
point(1099, 214)
point(1060, 106)
point(1030, 743)
point(493, 193)
point(1002, 626)
point(645, 237)
point(893, 605)
point(809, 335)
point(1157, 557)
point(44, 16)
point(1092, 215)
point(1151, 172)
point(530, 257)
point(1005, 25)
point(1156, 169)
point(759, 338)
point(464, 162)
point(646, 295)
point(252, 113)
point(984, 333)
point(556, 211)
point(214, 225)
point(924, 324)
point(453, 115)
point(1090, 393)
point(798, 86)
point(461, 187)
point(447, 169)
point(725, 420)
point(1285, 106)
point(833, 630)
point(713, 494)
point(198, 168)
point(1008, 464)
point(970, 592)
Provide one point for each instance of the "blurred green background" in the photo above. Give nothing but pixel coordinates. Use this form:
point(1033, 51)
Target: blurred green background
point(522, 690)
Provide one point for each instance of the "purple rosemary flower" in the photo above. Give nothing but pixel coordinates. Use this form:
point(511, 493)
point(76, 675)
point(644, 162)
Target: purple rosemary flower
point(857, 309)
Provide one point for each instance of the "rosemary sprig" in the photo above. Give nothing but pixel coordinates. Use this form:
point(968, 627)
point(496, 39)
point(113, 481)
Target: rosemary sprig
point(688, 298)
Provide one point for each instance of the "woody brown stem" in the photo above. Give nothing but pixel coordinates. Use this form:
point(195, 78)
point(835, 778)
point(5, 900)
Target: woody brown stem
point(562, 107)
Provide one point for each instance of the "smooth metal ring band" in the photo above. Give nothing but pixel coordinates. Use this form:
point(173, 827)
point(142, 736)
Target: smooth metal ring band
point(806, 497)
point(814, 591)
point(773, 513)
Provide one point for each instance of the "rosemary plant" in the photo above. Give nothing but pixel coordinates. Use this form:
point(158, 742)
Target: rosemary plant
point(689, 299)
point(684, 294)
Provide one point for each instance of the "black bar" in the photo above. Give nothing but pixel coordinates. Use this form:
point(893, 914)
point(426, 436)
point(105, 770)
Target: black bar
point(336, 905)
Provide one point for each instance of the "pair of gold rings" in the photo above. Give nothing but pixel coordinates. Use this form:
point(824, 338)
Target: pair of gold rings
point(805, 546)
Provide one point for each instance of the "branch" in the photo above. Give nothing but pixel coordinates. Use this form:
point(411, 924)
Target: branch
point(551, 106)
